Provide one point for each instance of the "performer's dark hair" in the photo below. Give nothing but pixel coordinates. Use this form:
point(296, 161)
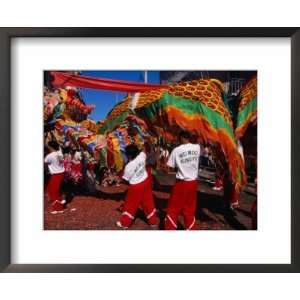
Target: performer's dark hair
point(132, 151)
point(185, 134)
point(66, 150)
point(54, 145)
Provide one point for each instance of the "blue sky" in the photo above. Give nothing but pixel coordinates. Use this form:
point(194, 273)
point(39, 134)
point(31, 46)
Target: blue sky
point(105, 100)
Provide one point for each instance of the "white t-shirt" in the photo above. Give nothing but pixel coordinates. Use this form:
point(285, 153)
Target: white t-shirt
point(164, 153)
point(55, 161)
point(186, 159)
point(77, 156)
point(135, 171)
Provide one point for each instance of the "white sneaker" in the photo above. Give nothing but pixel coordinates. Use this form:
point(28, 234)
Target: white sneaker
point(55, 212)
point(118, 223)
point(215, 188)
point(234, 206)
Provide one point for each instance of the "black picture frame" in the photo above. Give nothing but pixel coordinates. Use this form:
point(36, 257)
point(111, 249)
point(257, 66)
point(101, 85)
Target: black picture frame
point(6, 34)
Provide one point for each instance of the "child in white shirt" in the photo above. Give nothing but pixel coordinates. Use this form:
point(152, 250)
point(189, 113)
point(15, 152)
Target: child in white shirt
point(139, 192)
point(55, 163)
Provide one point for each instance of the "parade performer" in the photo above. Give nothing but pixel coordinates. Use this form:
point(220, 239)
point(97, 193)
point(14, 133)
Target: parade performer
point(231, 193)
point(139, 192)
point(219, 181)
point(55, 162)
point(185, 158)
point(76, 168)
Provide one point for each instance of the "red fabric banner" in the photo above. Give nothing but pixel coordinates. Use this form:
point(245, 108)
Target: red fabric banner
point(65, 79)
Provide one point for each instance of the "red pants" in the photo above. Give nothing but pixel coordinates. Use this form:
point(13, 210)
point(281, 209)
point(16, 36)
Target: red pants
point(183, 200)
point(53, 190)
point(231, 195)
point(219, 182)
point(139, 195)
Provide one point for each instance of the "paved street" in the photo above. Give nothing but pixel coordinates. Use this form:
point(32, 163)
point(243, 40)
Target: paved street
point(100, 212)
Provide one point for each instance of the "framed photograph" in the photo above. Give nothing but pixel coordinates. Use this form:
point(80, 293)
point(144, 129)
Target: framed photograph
point(149, 150)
